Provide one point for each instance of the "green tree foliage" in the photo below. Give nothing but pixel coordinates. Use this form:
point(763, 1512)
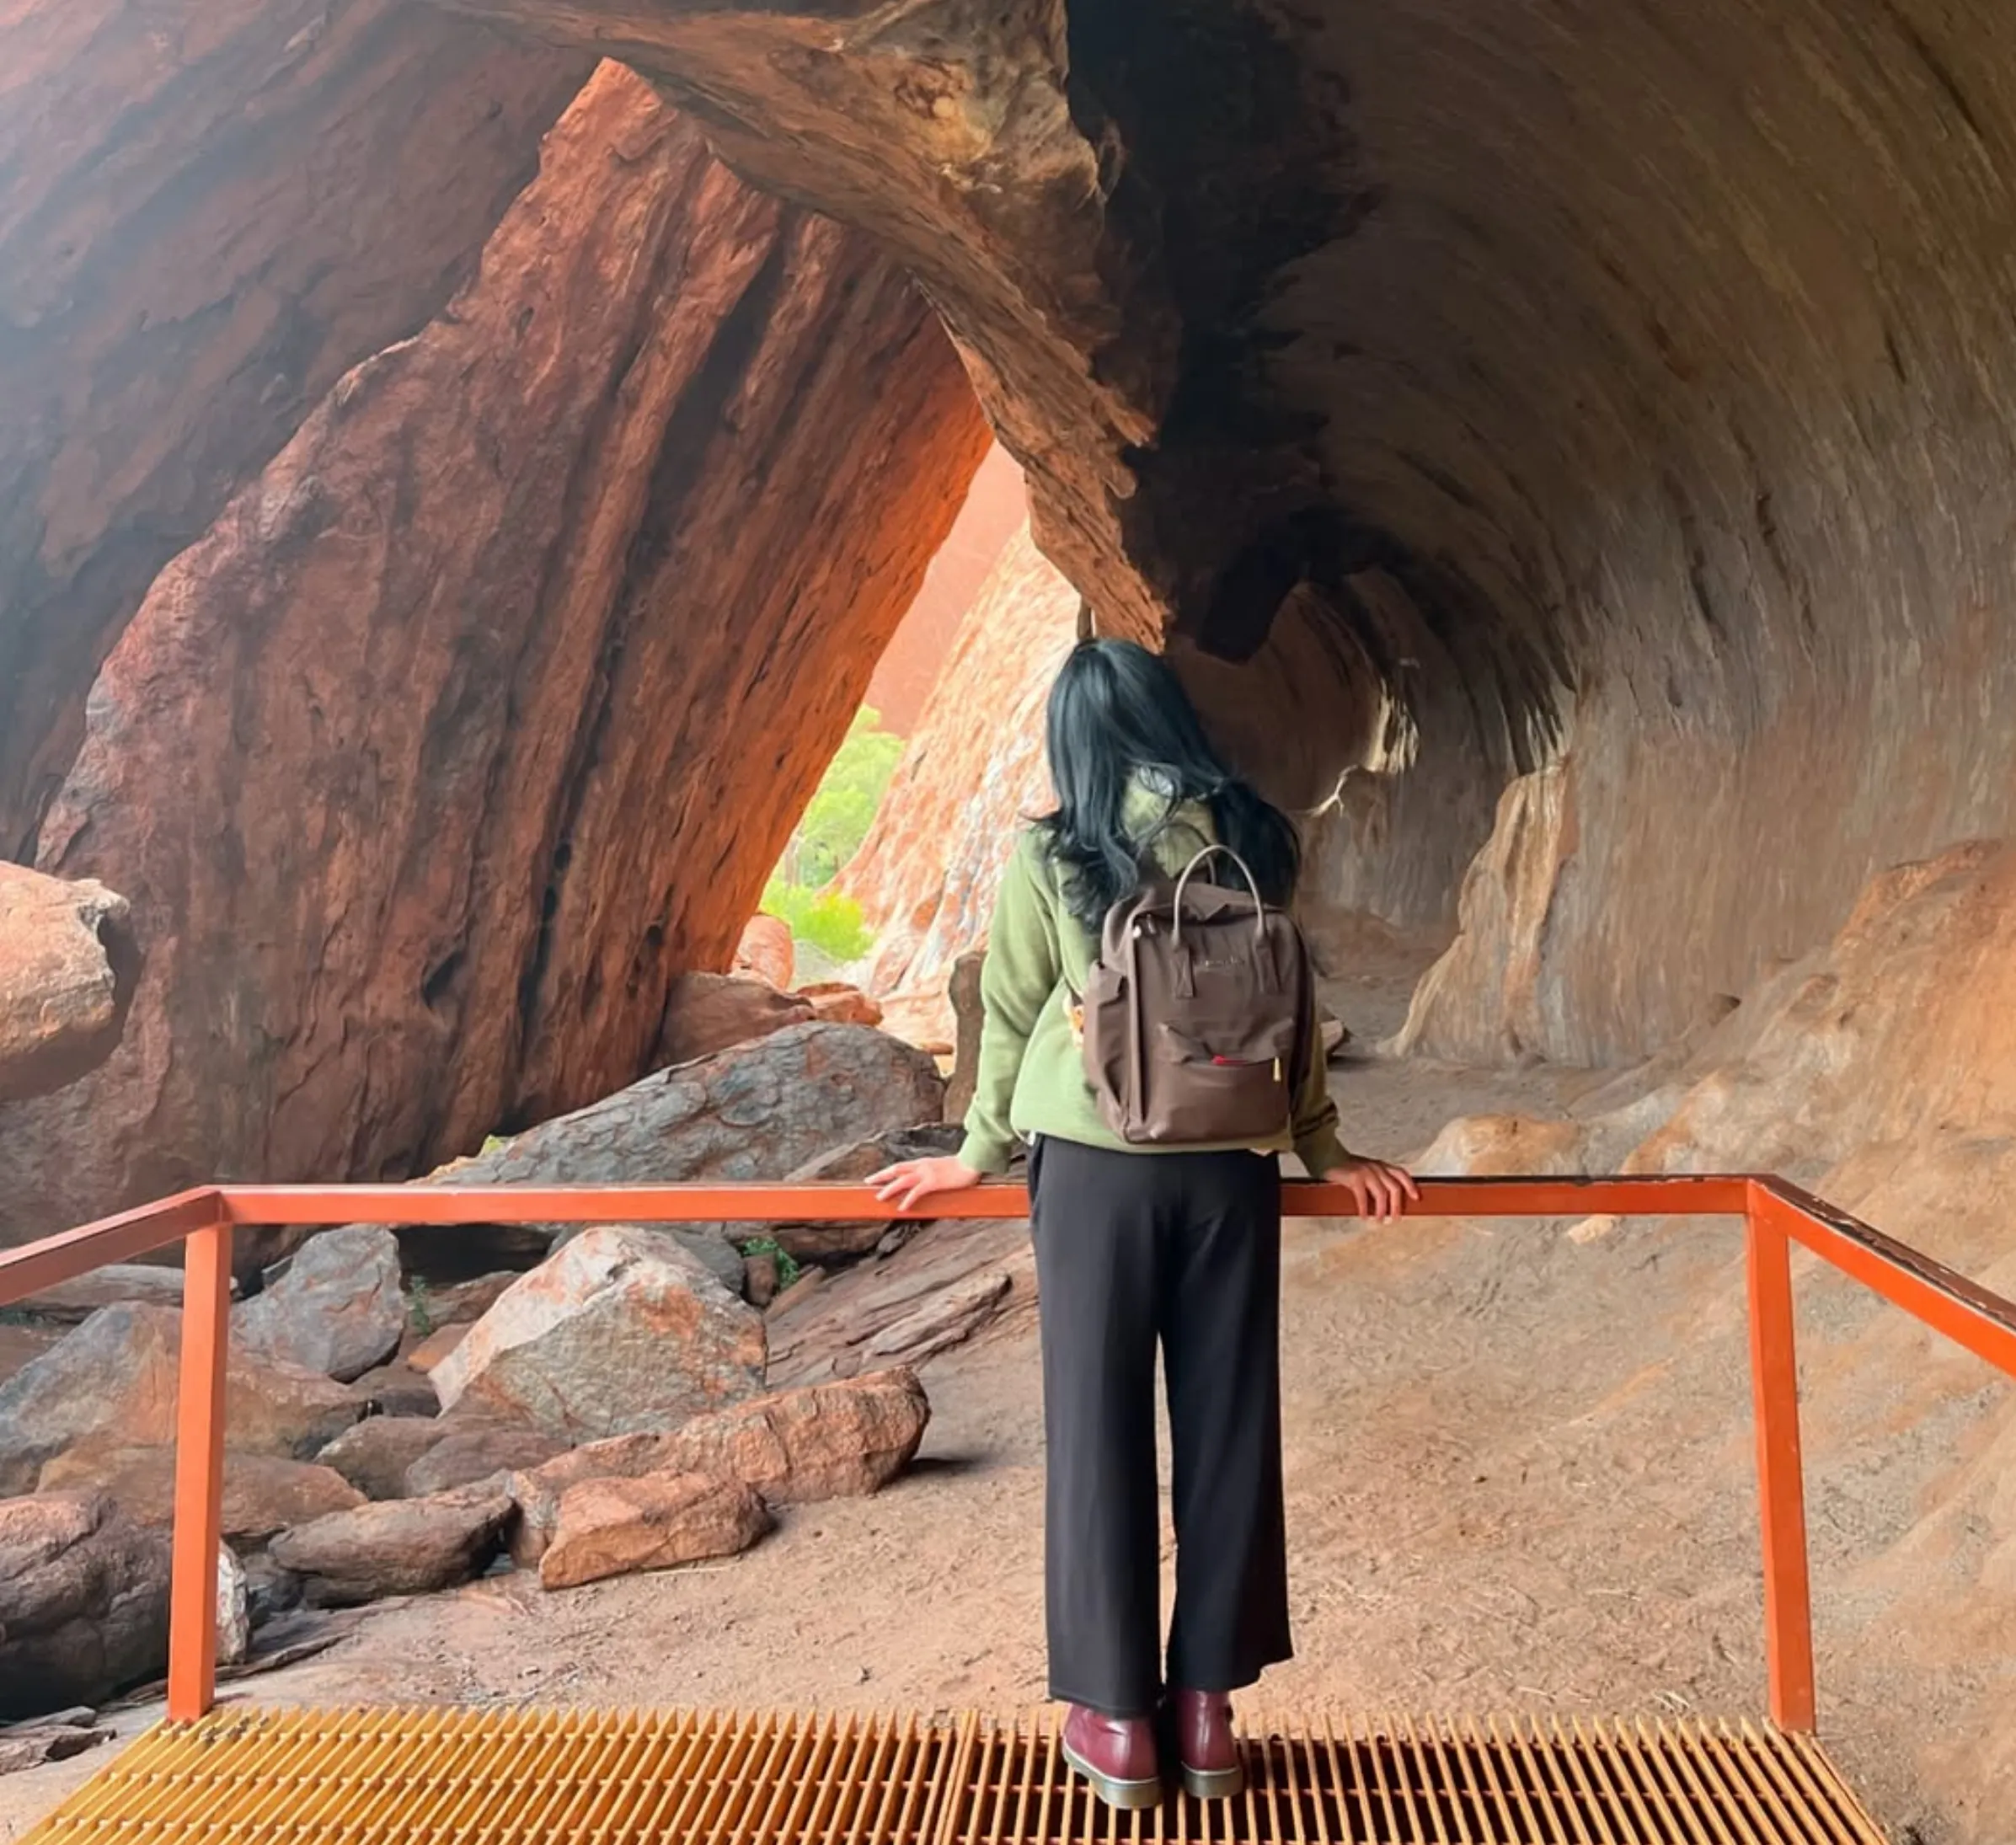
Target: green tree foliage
point(835, 821)
point(843, 807)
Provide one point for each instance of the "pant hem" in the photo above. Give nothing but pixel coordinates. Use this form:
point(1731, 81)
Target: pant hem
point(1105, 1708)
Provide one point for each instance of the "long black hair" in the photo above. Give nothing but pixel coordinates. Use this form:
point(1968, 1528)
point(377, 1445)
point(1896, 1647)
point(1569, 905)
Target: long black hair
point(1119, 712)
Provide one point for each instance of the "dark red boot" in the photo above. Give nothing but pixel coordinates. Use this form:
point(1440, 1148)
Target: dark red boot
point(1116, 1755)
point(1206, 1746)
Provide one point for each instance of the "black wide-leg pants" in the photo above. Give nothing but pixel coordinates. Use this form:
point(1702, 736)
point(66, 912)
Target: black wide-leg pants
point(1182, 1248)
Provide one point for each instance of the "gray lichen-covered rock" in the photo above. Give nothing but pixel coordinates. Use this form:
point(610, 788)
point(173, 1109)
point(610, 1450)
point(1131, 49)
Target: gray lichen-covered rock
point(339, 1307)
point(113, 1383)
point(622, 1330)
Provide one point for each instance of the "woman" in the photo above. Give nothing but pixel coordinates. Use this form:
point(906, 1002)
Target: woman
point(1136, 1244)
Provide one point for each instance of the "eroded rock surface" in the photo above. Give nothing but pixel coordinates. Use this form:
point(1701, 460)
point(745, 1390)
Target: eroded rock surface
point(622, 1330)
point(615, 1527)
point(497, 556)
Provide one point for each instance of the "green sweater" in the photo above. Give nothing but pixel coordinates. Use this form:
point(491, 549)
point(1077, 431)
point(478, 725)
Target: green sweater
point(1032, 1072)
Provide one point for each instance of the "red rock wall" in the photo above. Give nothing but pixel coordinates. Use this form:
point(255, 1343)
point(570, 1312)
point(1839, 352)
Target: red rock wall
point(483, 713)
point(997, 506)
point(209, 210)
point(973, 772)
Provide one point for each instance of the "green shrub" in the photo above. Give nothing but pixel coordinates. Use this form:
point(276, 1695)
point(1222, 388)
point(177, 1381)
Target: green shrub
point(829, 922)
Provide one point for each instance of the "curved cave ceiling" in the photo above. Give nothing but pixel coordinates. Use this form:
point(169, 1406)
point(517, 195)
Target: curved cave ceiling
point(1564, 439)
point(1616, 397)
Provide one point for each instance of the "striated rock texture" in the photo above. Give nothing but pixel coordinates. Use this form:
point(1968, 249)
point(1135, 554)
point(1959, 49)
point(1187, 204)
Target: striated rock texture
point(971, 775)
point(209, 210)
point(482, 715)
point(68, 967)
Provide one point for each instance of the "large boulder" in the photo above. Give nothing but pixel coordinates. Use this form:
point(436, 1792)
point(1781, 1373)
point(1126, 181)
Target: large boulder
point(831, 1441)
point(118, 1284)
point(68, 963)
point(403, 1546)
point(753, 1111)
point(113, 1383)
point(83, 1601)
point(339, 1307)
point(615, 1527)
point(624, 1329)
point(707, 1012)
point(262, 1493)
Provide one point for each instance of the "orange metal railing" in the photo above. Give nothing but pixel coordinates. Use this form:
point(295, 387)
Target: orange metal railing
point(1776, 1214)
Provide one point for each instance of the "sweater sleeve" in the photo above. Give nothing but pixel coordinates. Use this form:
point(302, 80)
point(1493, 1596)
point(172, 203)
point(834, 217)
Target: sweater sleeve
point(1317, 1142)
point(1022, 967)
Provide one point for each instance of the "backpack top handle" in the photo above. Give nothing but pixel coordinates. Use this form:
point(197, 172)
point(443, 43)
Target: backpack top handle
point(1259, 903)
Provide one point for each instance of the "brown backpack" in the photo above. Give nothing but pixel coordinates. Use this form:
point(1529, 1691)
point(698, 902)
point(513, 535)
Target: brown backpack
point(1192, 1020)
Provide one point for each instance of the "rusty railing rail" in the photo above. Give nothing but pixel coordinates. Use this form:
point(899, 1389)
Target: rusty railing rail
point(1776, 1216)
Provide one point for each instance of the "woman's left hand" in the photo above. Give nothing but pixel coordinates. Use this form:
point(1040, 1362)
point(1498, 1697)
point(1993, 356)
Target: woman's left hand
point(911, 1180)
point(1382, 1191)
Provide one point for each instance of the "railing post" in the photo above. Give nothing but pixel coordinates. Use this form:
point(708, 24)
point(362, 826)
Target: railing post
point(1781, 1483)
point(192, 1623)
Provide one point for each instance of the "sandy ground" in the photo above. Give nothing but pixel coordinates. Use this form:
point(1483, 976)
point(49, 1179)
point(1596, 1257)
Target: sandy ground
point(1518, 1476)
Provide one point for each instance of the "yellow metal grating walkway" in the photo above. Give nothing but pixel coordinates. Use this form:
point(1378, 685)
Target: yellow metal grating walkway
point(376, 1777)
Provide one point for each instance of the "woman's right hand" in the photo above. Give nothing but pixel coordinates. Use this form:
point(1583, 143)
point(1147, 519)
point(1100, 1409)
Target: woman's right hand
point(1381, 1191)
point(911, 1180)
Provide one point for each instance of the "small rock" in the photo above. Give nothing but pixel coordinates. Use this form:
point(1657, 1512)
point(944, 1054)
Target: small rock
point(270, 1591)
point(262, 1493)
point(234, 1608)
point(624, 1329)
point(115, 1380)
point(1595, 1229)
point(827, 1441)
point(374, 1456)
point(68, 962)
point(807, 1283)
point(759, 1279)
point(402, 1547)
point(768, 951)
point(339, 1308)
point(472, 1454)
point(434, 1347)
point(837, 1003)
point(395, 1390)
point(708, 1013)
point(614, 1527)
point(461, 1304)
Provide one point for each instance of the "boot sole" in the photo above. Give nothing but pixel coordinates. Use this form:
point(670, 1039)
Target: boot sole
point(1213, 1783)
point(1128, 1796)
